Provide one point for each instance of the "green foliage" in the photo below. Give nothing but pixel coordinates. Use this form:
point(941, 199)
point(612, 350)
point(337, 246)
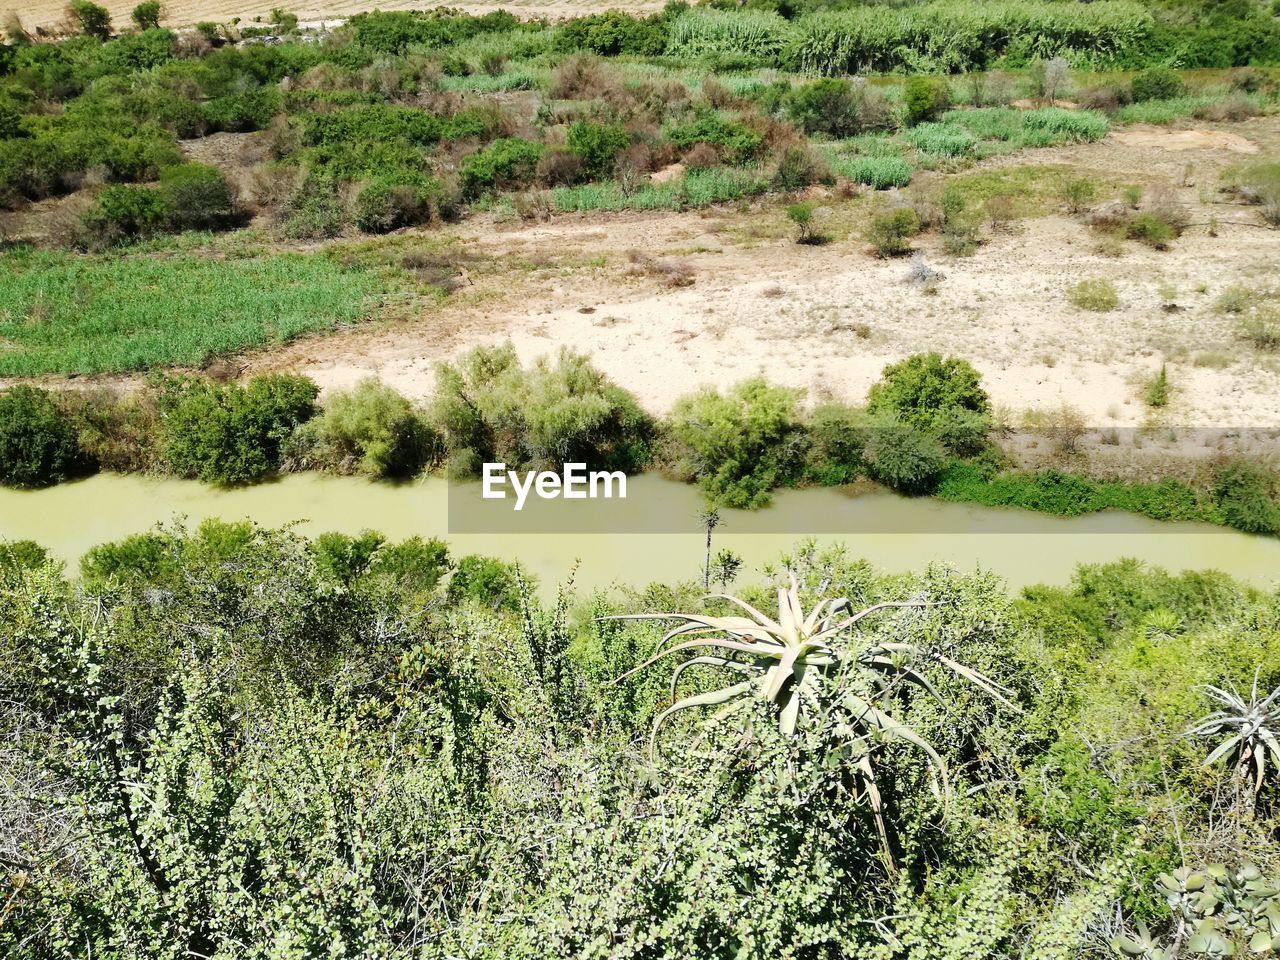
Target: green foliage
point(925, 386)
point(890, 233)
point(925, 98)
point(93, 318)
point(597, 145)
point(230, 434)
point(123, 213)
point(904, 457)
point(1157, 394)
point(1157, 83)
point(390, 203)
point(736, 142)
point(739, 445)
point(146, 15)
point(1152, 229)
point(1249, 497)
point(612, 33)
point(881, 173)
point(492, 410)
point(838, 434)
point(37, 440)
point(1096, 295)
point(838, 108)
point(487, 582)
point(374, 431)
point(94, 21)
point(196, 197)
point(506, 164)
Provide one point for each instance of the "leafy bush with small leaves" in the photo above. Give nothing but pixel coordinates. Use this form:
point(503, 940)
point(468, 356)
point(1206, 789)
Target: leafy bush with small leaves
point(374, 431)
point(597, 145)
point(741, 444)
point(123, 212)
point(506, 164)
point(1157, 394)
point(1247, 496)
point(38, 444)
point(147, 14)
point(1157, 83)
point(196, 197)
point(1097, 295)
point(903, 457)
point(925, 386)
point(1152, 229)
point(838, 435)
point(228, 434)
point(890, 233)
point(94, 20)
point(925, 98)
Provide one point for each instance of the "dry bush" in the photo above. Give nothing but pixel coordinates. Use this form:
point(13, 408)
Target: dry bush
point(1063, 428)
point(1232, 109)
point(191, 45)
point(1106, 98)
point(532, 205)
point(718, 95)
point(927, 208)
point(1163, 203)
point(583, 77)
point(633, 166)
point(118, 428)
point(672, 272)
point(271, 185)
point(62, 222)
point(1000, 212)
point(559, 168)
point(1112, 215)
point(701, 156)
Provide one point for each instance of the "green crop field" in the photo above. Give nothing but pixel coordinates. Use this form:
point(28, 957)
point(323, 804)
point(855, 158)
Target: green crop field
point(62, 313)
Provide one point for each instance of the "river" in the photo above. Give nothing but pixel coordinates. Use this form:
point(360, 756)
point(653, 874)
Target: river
point(660, 539)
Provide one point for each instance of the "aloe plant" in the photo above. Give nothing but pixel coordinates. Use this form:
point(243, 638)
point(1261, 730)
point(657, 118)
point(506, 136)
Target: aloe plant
point(1253, 728)
point(783, 660)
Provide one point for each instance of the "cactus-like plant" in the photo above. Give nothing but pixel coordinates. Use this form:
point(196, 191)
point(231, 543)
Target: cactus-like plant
point(1253, 728)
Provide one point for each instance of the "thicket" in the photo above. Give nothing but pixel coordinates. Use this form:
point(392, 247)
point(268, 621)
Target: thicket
point(38, 444)
point(233, 740)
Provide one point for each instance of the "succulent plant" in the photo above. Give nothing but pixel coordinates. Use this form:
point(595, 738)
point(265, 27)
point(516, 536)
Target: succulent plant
point(1253, 728)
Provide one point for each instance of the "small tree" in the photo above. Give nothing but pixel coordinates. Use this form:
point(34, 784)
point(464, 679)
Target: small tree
point(94, 21)
point(925, 99)
point(147, 14)
point(37, 440)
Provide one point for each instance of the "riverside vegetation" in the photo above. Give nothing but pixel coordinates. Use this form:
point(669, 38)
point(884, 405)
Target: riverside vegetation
point(235, 742)
point(926, 428)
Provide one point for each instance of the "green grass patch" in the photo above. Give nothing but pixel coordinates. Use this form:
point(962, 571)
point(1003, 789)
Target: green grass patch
point(880, 172)
point(1071, 495)
point(62, 313)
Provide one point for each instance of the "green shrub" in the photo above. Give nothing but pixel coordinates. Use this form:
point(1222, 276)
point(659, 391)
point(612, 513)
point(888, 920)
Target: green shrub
point(196, 197)
point(597, 145)
point(243, 112)
point(741, 444)
point(1152, 229)
point(94, 21)
point(491, 410)
point(797, 167)
point(389, 204)
point(1097, 295)
point(123, 212)
point(838, 435)
point(890, 233)
point(925, 98)
point(38, 443)
point(315, 211)
point(1157, 83)
point(838, 108)
point(147, 14)
point(374, 431)
point(1246, 493)
point(1157, 394)
point(17, 556)
point(485, 581)
point(736, 142)
point(506, 164)
point(414, 564)
point(961, 431)
point(613, 33)
point(920, 388)
point(903, 457)
point(231, 434)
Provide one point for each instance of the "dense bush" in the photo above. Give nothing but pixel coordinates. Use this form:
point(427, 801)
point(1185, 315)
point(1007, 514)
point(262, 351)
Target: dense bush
point(492, 410)
point(925, 98)
point(741, 444)
point(196, 197)
point(506, 164)
point(612, 33)
point(1157, 83)
point(123, 212)
point(1249, 498)
point(94, 20)
point(924, 386)
point(371, 430)
point(393, 202)
point(903, 457)
point(228, 434)
point(38, 443)
point(839, 108)
point(146, 15)
point(890, 233)
point(597, 145)
point(735, 141)
point(838, 436)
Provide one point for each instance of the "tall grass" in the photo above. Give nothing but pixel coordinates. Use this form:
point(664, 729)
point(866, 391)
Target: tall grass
point(62, 313)
point(698, 188)
point(1016, 129)
point(941, 139)
point(880, 172)
point(951, 36)
point(483, 83)
point(747, 33)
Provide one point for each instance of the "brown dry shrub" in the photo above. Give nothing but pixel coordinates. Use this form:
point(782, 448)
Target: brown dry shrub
point(583, 77)
point(718, 95)
point(119, 429)
point(532, 205)
point(633, 166)
point(559, 168)
point(701, 156)
point(1106, 98)
point(270, 185)
point(672, 272)
point(1163, 203)
point(1233, 108)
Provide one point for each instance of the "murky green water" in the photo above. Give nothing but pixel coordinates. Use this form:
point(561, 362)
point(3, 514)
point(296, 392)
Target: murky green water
point(894, 533)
